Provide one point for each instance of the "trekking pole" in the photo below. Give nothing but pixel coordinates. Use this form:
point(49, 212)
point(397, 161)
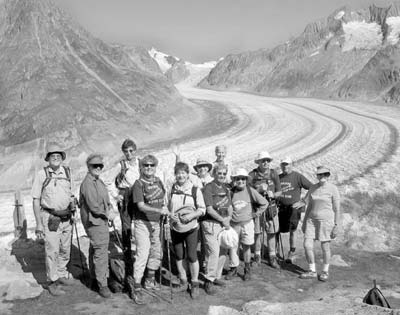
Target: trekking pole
point(169, 263)
point(70, 250)
point(262, 226)
point(162, 240)
point(111, 224)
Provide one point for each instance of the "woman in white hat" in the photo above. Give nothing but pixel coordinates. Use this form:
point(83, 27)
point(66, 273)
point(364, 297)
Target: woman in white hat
point(186, 204)
point(321, 222)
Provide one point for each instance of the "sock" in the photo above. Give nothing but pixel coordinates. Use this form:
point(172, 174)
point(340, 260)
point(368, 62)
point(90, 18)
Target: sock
point(312, 267)
point(257, 252)
point(151, 274)
point(272, 254)
point(292, 249)
point(247, 265)
point(325, 267)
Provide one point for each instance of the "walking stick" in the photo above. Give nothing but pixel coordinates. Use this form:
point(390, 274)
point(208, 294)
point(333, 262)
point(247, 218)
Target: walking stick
point(262, 226)
point(162, 240)
point(70, 250)
point(111, 224)
point(169, 262)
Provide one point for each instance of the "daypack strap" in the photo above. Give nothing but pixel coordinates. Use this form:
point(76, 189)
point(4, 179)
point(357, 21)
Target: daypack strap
point(253, 203)
point(193, 195)
point(49, 176)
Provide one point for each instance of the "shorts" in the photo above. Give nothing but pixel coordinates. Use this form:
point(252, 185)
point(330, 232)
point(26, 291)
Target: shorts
point(245, 230)
point(288, 218)
point(319, 230)
point(270, 227)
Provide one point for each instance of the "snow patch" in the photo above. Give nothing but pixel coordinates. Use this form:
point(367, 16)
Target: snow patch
point(394, 29)
point(339, 15)
point(361, 35)
point(162, 59)
point(314, 53)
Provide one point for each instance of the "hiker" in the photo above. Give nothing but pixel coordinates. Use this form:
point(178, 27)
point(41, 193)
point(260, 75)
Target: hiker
point(148, 196)
point(203, 176)
point(218, 215)
point(290, 205)
point(127, 175)
point(266, 181)
point(53, 206)
point(220, 153)
point(186, 205)
point(321, 222)
point(247, 204)
point(95, 213)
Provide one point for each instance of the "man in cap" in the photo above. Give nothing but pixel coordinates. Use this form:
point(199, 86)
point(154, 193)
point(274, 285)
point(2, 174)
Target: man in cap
point(53, 206)
point(291, 206)
point(247, 205)
point(148, 195)
point(95, 213)
point(126, 177)
point(266, 181)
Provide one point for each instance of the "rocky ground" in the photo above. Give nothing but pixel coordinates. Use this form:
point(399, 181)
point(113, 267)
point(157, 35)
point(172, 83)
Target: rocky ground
point(268, 292)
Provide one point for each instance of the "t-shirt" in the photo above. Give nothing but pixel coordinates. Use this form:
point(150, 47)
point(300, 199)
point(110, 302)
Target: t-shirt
point(131, 174)
point(291, 185)
point(151, 193)
point(218, 197)
point(242, 208)
point(270, 177)
point(323, 201)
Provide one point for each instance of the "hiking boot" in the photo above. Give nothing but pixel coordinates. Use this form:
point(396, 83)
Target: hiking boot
point(273, 262)
point(324, 276)
point(55, 290)
point(209, 287)
point(183, 286)
point(231, 273)
point(257, 260)
point(151, 284)
point(291, 257)
point(194, 289)
point(308, 275)
point(137, 296)
point(219, 283)
point(247, 273)
point(65, 281)
point(105, 292)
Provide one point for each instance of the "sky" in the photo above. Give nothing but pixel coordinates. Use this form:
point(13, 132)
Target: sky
point(202, 30)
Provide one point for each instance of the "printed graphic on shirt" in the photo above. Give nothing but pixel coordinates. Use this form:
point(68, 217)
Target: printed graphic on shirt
point(239, 204)
point(287, 189)
point(153, 194)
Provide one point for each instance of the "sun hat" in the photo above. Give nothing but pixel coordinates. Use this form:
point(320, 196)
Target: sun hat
point(240, 172)
point(263, 155)
point(54, 148)
point(201, 162)
point(287, 160)
point(323, 170)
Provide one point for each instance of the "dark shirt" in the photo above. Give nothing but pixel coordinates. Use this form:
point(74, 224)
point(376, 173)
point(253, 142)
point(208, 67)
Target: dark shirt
point(270, 177)
point(94, 201)
point(218, 197)
point(152, 194)
point(291, 187)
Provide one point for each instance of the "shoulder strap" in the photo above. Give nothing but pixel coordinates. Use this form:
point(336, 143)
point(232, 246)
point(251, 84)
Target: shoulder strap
point(194, 195)
point(124, 168)
point(252, 201)
point(47, 179)
point(67, 171)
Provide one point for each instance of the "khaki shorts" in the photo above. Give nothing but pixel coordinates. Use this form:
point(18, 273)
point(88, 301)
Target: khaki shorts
point(245, 230)
point(319, 230)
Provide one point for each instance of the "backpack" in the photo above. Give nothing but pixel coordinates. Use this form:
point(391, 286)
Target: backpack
point(375, 297)
point(121, 174)
point(116, 265)
point(193, 195)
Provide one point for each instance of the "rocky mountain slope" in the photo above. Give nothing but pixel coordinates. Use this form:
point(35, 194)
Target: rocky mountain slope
point(352, 54)
point(59, 83)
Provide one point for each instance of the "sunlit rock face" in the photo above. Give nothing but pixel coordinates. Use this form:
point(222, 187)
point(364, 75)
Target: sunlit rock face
point(351, 54)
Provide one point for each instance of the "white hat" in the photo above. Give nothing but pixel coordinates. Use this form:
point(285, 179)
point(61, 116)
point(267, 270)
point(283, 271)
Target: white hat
point(240, 172)
point(287, 160)
point(263, 155)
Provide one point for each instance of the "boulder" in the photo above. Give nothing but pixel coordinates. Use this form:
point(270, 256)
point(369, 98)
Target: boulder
point(222, 310)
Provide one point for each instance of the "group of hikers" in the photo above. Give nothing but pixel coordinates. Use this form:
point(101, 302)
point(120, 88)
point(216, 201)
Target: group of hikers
point(195, 208)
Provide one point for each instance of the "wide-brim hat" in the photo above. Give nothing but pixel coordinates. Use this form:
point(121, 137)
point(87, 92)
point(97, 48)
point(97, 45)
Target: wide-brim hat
point(54, 148)
point(287, 160)
point(323, 170)
point(240, 172)
point(94, 158)
point(263, 155)
point(201, 162)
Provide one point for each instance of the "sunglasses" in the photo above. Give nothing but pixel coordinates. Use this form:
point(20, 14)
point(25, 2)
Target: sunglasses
point(221, 173)
point(130, 151)
point(240, 178)
point(149, 165)
point(98, 166)
point(265, 160)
